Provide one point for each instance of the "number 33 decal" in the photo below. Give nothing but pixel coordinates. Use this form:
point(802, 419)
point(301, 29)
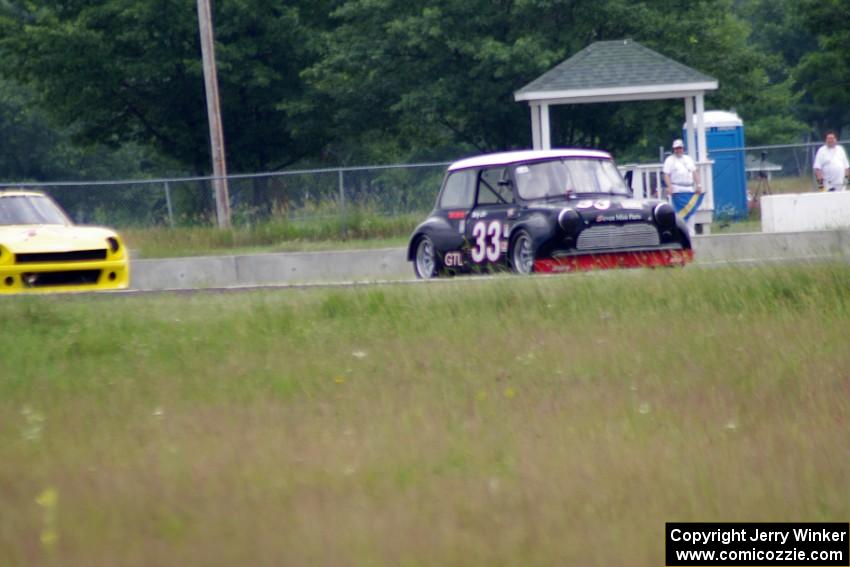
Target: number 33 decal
point(488, 241)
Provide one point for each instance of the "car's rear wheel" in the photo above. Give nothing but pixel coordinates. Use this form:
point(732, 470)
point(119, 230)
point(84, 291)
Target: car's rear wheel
point(522, 254)
point(425, 261)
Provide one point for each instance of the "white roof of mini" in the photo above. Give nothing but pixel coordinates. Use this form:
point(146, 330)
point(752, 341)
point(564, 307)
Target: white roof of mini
point(506, 158)
point(17, 192)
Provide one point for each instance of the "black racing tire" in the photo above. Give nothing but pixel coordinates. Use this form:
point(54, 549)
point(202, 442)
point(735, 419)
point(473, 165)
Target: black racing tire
point(522, 253)
point(425, 258)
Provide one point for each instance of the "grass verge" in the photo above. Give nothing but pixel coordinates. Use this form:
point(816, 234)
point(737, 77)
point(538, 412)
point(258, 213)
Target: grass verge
point(513, 421)
point(356, 230)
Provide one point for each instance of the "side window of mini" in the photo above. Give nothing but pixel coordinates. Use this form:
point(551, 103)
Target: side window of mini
point(494, 187)
point(458, 190)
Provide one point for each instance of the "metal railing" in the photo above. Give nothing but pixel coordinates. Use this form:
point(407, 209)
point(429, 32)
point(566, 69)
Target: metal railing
point(791, 165)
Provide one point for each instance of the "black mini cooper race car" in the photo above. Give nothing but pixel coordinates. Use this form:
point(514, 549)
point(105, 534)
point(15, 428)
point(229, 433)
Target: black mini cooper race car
point(544, 211)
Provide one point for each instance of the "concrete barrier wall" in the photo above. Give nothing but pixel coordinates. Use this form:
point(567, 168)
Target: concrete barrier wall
point(772, 247)
point(254, 269)
point(793, 212)
point(391, 263)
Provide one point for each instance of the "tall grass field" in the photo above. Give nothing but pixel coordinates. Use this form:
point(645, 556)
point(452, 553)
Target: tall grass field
point(515, 421)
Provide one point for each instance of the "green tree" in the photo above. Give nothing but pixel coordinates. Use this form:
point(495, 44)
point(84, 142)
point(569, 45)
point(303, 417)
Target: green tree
point(33, 149)
point(119, 71)
point(443, 72)
point(779, 34)
point(823, 75)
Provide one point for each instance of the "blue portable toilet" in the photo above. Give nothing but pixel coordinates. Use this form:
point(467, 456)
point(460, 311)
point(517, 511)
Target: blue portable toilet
point(725, 130)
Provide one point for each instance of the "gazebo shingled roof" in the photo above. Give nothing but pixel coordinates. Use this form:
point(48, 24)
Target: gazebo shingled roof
point(615, 68)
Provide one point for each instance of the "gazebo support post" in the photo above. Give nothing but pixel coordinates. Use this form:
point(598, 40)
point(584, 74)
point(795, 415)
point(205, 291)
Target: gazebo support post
point(541, 136)
point(702, 146)
point(535, 126)
point(689, 125)
point(545, 128)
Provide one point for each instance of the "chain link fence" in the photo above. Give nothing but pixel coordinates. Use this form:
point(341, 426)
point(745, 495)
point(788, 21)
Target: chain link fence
point(340, 193)
point(778, 168)
point(769, 170)
point(301, 195)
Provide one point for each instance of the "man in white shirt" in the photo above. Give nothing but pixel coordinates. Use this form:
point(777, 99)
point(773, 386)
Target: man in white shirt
point(831, 167)
point(683, 185)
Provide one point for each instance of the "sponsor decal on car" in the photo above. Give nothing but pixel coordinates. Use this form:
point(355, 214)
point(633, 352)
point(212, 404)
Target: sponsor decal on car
point(479, 214)
point(453, 259)
point(619, 217)
point(585, 204)
point(456, 215)
point(602, 204)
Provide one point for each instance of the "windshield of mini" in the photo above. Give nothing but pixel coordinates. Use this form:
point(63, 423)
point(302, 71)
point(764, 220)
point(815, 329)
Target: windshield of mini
point(30, 209)
point(569, 177)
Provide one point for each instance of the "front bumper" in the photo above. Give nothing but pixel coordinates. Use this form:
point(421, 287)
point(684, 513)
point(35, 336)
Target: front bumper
point(614, 259)
point(64, 276)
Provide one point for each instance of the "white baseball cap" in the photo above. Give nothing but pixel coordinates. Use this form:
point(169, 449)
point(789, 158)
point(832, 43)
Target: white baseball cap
point(678, 144)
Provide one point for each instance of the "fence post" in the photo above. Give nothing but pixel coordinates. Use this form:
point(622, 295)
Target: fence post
point(168, 204)
point(343, 228)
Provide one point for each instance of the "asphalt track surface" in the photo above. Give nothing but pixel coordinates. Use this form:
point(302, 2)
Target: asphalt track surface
point(457, 280)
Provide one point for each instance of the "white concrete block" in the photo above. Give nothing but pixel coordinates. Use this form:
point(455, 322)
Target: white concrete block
point(794, 212)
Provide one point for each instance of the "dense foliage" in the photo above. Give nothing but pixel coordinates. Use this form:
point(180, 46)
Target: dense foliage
point(355, 81)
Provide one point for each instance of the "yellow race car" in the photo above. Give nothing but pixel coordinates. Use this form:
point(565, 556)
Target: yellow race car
point(42, 251)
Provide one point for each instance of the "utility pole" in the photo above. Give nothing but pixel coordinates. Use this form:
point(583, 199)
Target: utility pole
point(222, 197)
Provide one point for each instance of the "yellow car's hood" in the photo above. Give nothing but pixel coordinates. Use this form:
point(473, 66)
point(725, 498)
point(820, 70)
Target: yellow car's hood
point(25, 239)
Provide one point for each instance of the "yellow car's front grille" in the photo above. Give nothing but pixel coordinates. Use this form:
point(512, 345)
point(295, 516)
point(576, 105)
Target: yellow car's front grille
point(74, 256)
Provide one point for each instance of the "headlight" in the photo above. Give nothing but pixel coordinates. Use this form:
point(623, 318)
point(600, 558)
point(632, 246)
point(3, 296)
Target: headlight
point(569, 220)
point(665, 216)
point(114, 245)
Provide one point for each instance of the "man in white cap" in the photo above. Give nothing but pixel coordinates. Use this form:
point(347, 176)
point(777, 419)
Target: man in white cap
point(831, 167)
point(683, 184)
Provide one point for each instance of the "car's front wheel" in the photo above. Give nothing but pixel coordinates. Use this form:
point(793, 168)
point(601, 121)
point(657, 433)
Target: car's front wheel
point(425, 261)
point(522, 254)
